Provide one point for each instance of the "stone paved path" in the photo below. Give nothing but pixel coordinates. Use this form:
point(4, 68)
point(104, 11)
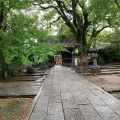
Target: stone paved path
point(66, 95)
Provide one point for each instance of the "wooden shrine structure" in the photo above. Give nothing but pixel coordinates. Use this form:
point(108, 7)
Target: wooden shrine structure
point(64, 58)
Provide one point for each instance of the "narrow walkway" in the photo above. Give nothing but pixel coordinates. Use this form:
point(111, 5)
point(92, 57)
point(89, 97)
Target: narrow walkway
point(66, 95)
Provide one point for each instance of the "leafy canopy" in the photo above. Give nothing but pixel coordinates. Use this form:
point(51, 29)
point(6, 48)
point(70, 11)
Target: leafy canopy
point(21, 35)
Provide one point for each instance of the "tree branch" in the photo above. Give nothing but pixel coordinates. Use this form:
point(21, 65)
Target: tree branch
point(48, 7)
point(61, 9)
point(118, 4)
point(54, 21)
point(74, 4)
point(85, 14)
point(1, 13)
point(65, 8)
point(64, 17)
point(81, 6)
point(95, 33)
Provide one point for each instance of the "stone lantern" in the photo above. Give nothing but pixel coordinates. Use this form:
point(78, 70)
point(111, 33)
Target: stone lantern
point(74, 59)
point(94, 68)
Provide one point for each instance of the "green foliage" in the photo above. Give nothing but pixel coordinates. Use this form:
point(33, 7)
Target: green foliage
point(101, 61)
point(102, 8)
point(100, 5)
point(103, 13)
point(42, 35)
point(64, 30)
point(81, 19)
point(49, 15)
point(21, 34)
point(21, 37)
point(42, 51)
point(106, 38)
point(12, 43)
point(20, 4)
point(110, 54)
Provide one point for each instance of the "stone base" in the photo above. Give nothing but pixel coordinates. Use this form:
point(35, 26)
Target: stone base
point(94, 69)
point(82, 69)
point(43, 66)
point(30, 70)
point(87, 69)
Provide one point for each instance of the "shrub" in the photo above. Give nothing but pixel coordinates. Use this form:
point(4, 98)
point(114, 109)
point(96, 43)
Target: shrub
point(110, 54)
point(100, 61)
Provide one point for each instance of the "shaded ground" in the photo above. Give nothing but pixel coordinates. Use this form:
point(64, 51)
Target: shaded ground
point(14, 108)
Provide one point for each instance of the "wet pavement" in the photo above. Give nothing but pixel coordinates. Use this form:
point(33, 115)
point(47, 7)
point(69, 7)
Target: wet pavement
point(66, 95)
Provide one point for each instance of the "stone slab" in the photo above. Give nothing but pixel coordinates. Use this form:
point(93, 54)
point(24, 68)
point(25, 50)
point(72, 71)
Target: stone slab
point(19, 89)
point(56, 110)
point(41, 115)
point(69, 103)
point(73, 114)
point(89, 112)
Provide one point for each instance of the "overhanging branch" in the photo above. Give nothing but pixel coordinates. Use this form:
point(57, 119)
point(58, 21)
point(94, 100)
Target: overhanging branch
point(61, 10)
point(65, 8)
point(95, 33)
point(48, 7)
point(54, 21)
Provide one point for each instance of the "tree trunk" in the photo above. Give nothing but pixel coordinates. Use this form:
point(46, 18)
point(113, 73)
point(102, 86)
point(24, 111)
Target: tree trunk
point(82, 54)
point(4, 70)
point(82, 47)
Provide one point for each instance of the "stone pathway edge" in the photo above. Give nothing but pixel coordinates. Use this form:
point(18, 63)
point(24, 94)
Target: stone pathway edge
point(33, 104)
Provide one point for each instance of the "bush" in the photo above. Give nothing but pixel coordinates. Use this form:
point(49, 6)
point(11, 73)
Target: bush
point(100, 61)
point(10, 72)
point(110, 54)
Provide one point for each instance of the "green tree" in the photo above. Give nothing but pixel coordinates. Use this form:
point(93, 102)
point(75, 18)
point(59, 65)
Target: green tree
point(85, 19)
point(10, 31)
point(19, 32)
point(106, 38)
point(41, 52)
point(43, 46)
point(12, 43)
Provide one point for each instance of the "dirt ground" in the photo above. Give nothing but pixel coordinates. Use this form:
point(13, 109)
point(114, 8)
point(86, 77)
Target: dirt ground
point(110, 83)
point(14, 108)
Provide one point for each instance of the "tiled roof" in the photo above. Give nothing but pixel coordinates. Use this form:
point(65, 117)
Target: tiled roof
point(68, 43)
